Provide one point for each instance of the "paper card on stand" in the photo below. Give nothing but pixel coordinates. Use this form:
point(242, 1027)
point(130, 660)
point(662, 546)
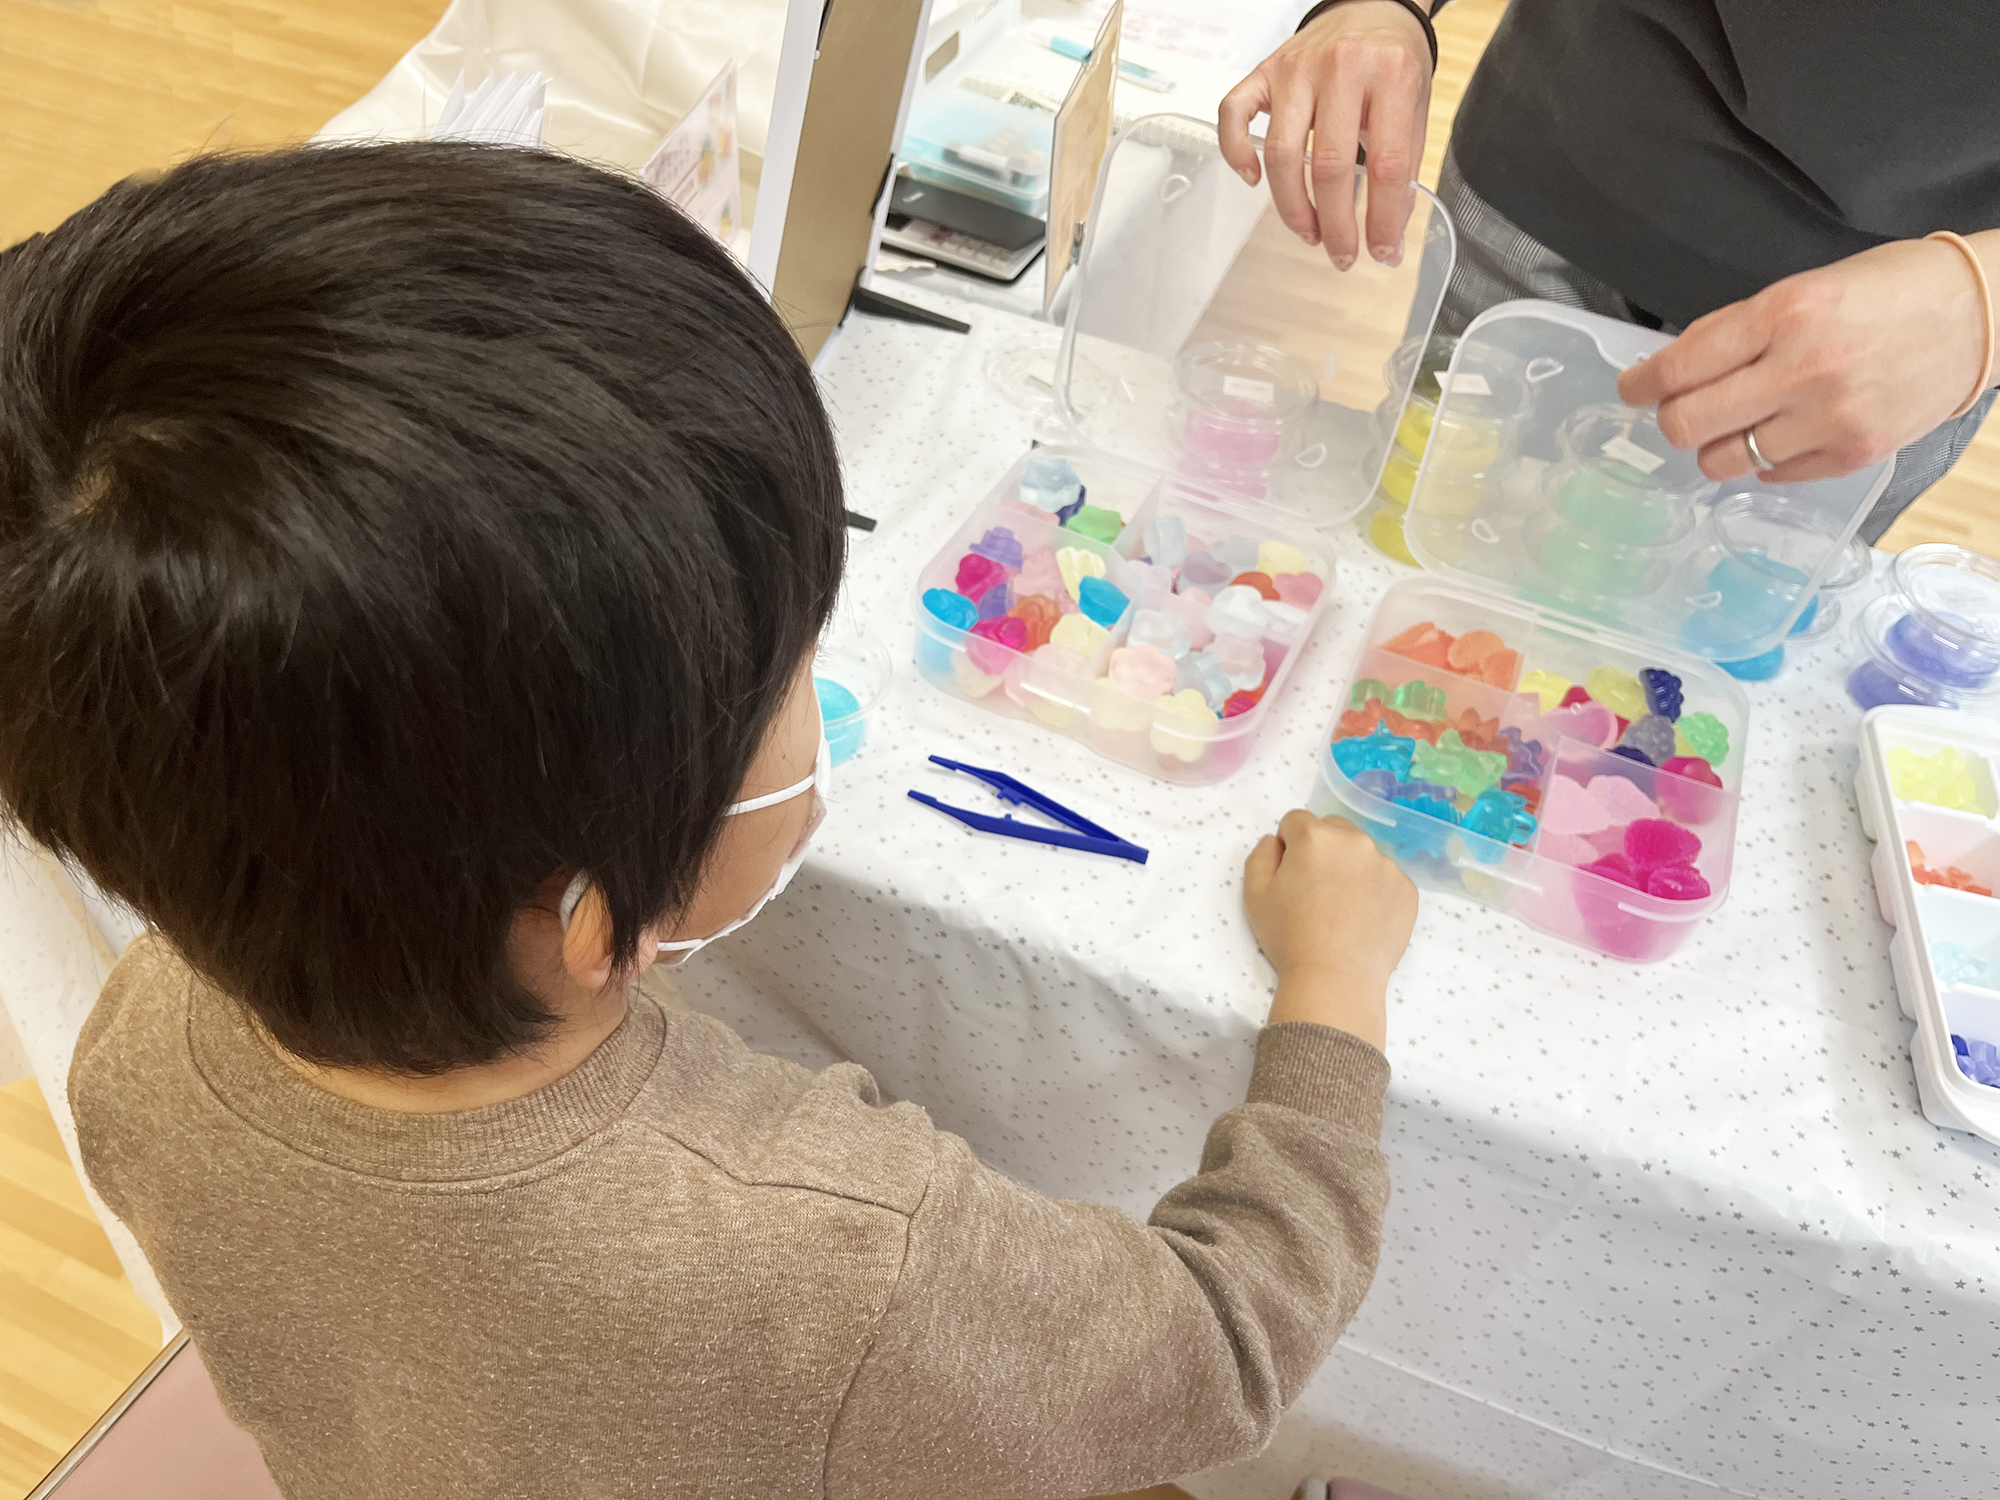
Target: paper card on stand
point(1082, 135)
point(696, 167)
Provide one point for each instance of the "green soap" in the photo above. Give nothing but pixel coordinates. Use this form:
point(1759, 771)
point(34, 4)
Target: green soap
point(1702, 734)
point(1617, 514)
point(1584, 560)
point(1417, 699)
point(1096, 522)
point(1365, 689)
point(1451, 762)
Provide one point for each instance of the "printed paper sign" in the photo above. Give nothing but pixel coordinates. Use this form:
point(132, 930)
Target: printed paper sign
point(1241, 388)
point(696, 167)
point(1631, 454)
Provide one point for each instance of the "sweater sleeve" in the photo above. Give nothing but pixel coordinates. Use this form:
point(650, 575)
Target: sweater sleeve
point(1034, 1347)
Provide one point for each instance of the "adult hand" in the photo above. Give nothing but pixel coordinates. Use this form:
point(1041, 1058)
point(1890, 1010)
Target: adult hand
point(1833, 369)
point(1359, 74)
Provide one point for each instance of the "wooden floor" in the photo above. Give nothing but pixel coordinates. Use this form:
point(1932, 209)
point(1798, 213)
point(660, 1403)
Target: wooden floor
point(72, 1331)
point(92, 91)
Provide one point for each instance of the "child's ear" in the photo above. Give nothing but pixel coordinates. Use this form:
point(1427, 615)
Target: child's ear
point(586, 945)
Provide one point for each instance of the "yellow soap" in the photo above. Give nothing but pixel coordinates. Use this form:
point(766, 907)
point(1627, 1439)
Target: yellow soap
point(971, 681)
point(1181, 725)
point(1119, 712)
point(1274, 558)
point(1080, 633)
point(1617, 690)
point(1549, 686)
point(1075, 564)
point(1399, 477)
point(1386, 532)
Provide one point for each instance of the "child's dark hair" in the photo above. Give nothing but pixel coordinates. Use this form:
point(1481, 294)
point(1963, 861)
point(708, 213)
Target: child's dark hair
point(384, 530)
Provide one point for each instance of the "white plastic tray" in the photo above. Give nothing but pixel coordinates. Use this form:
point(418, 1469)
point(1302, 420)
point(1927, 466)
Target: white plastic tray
point(1927, 914)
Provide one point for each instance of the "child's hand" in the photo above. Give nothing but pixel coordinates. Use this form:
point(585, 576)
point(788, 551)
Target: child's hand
point(1333, 914)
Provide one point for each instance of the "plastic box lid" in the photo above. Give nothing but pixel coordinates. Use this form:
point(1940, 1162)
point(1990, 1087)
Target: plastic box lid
point(1204, 338)
point(1544, 487)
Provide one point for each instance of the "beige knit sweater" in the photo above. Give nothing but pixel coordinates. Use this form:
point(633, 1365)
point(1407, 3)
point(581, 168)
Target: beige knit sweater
point(690, 1270)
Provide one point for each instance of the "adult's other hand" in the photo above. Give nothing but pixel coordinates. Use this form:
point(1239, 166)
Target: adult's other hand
point(1359, 74)
point(1833, 369)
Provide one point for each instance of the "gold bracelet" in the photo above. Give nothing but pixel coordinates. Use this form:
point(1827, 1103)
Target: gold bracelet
point(1985, 309)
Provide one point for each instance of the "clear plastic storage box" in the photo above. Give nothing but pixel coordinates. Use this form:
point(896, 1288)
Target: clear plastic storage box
point(986, 147)
point(1574, 753)
point(1215, 394)
point(1926, 792)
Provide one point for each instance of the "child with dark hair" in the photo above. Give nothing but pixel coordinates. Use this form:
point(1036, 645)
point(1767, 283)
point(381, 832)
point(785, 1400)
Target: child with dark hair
point(411, 559)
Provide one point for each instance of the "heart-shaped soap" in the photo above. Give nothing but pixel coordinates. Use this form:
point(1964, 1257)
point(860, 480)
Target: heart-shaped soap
point(1566, 848)
point(1590, 722)
point(1621, 800)
point(1570, 809)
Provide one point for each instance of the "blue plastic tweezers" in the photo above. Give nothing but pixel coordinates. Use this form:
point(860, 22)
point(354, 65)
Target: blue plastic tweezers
point(1087, 836)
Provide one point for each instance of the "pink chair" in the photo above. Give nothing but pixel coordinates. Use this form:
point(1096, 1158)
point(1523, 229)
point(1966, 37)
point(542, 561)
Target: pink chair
point(167, 1438)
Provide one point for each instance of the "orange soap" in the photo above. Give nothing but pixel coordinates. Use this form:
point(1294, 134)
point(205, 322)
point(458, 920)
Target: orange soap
point(1039, 614)
point(1501, 668)
point(1261, 582)
point(1469, 726)
point(1359, 722)
point(1472, 648)
point(1426, 730)
point(1423, 642)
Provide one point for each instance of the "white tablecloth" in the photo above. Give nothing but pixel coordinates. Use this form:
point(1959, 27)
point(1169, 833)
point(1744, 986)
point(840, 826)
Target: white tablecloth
point(1670, 1231)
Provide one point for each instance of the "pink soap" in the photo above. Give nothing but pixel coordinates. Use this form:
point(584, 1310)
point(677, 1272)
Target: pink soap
point(1655, 844)
point(1589, 721)
point(1608, 840)
point(1693, 767)
point(1192, 606)
point(1040, 575)
point(1566, 848)
point(993, 643)
point(1621, 800)
point(1616, 867)
point(977, 574)
point(1302, 589)
point(1676, 883)
point(1569, 809)
point(1142, 672)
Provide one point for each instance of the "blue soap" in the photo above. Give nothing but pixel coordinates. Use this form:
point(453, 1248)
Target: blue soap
point(1102, 602)
point(1757, 668)
point(840, 711)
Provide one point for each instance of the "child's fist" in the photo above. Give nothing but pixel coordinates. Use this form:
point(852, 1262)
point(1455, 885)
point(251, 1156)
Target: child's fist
point(1333, 914)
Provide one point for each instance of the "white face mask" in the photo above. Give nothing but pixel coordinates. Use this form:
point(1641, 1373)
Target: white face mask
point(816, 783)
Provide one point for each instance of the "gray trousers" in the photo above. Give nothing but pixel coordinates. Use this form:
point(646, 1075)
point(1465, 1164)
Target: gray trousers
point(1498, 261)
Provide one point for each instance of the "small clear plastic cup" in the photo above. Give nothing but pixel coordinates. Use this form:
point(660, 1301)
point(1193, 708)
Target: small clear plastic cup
point(1759, 548)
point(1239, 407)
point(1934, 642)
point(1822, 616)
point(1614, 507)
point(1476, 438)
point(852, 671)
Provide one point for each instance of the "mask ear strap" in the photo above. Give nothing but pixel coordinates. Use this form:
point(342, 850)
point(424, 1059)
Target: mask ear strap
point(772, 799)
point(571, 895)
